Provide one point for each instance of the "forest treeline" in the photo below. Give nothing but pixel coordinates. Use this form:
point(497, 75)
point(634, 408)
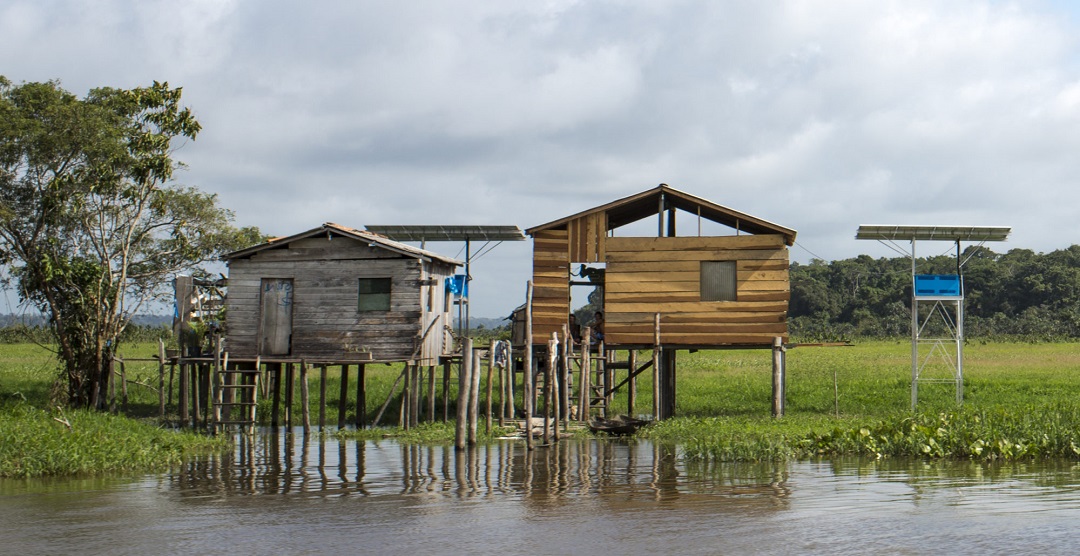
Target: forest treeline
point(1019, 294)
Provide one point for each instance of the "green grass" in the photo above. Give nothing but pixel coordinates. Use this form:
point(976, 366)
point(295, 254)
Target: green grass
point(37, 439)
point(1021, 401)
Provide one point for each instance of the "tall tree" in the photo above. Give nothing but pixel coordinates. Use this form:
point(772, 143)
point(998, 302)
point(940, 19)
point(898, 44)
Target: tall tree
point(92, 227)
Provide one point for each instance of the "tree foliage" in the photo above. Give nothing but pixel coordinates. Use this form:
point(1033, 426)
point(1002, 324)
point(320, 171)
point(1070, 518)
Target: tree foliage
point(1020, 294)
point(92, 226)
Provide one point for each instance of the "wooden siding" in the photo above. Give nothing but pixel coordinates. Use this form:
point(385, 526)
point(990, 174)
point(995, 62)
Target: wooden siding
point(586, 237)
point(326, 323)
point(551, 283)
point(662, 275)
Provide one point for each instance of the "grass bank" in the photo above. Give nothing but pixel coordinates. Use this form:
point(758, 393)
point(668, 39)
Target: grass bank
point(38, 439)
point(1021, 401)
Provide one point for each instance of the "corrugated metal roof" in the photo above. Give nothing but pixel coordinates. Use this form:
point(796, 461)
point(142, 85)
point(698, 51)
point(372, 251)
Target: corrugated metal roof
point(371, 238)
point(642, 205)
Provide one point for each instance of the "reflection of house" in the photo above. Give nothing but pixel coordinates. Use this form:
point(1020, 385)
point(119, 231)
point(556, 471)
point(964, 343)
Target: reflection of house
point(335, 293)
point(710, 291)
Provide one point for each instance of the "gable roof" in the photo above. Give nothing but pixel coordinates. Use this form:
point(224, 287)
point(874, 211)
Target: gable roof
point(642, 205)
point(332, 229)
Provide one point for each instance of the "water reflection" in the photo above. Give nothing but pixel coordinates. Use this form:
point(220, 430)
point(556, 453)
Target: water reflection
point(621, 472)
point(284, 493)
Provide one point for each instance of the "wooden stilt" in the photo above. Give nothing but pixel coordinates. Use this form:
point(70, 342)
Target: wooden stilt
point(290, 384)
point(565, 382)
point(551, 408)
point(196, 387)
point(464, 386)
point(406, 399)
point(161, 379)
point(182, 394)
point(527, 386)
point(322, 397)
point(656, 367)
point(431, 394)
point(343, 396)
point(586, 375)
point(446, 390)
point(490, 372)
point(474, 396)
point(778, 377)
point(304, 398)
point(361, 396)
point(631, 387)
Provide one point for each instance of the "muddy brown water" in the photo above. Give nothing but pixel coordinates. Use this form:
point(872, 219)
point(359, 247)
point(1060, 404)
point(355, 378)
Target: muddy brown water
point(284, 493)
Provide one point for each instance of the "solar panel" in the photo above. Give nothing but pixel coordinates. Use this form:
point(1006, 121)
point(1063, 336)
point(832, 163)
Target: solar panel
point(449, 233)
point(934, 233)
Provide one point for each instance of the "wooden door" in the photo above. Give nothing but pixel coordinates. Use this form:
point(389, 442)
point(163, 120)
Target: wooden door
point(275, 319)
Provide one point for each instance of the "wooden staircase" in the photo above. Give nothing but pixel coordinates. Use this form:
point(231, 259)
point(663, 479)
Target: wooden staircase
point(236, 394)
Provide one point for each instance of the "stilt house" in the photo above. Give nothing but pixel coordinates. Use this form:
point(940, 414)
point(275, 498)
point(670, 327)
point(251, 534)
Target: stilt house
point(335, 294)
point(710, 291)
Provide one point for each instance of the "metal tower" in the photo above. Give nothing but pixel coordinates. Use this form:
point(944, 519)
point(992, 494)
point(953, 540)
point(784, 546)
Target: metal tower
point(937, 301)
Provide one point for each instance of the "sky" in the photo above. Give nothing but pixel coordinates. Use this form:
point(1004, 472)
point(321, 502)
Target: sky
point(815, 115)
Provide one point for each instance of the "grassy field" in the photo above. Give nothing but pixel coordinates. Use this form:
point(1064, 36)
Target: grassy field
point(1020, 402)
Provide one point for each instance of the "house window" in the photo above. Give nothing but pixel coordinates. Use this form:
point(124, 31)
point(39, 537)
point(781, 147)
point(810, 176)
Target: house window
point(718, 280)
point(374, 294)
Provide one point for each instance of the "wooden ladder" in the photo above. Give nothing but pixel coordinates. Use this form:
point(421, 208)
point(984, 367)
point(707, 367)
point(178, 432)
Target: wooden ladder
point(228, 383)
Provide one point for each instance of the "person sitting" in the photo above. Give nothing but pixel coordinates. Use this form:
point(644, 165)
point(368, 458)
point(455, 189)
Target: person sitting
point(598, 327)
point(575, 330)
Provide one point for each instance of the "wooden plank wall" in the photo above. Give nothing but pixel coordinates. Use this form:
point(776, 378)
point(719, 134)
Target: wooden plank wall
point(662, 275)
point(325, 277)
point(587, 236)
point(438, 340)
point(551, 283)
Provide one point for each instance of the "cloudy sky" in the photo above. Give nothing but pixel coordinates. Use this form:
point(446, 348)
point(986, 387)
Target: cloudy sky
point(816, 115)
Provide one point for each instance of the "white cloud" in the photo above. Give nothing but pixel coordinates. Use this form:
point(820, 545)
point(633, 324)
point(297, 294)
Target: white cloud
point(815, 115)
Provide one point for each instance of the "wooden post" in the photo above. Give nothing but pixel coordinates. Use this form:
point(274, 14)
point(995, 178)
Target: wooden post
point(304, 402)
point(182, 394)
point(196, 391)
point(112, 385)
point(431, 394)
point(406, 398)
point(275, 368)
point(445, 390)
point(322, 397)
point(474, 397)
point(290, 385)
point(554, 396)
point(564, 378)
point(631, 385)
point(667, 386)
point(490, 372)
point(464, 386)
point(656, 367)
point(418, 391)
point(527, 390)
point(361, 396)
point(161, 379)
point(551, 347)
point(778, 377)
point(586, 370)
point(343, 396)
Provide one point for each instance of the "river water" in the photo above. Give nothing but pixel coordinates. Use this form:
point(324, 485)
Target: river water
point(284, 493)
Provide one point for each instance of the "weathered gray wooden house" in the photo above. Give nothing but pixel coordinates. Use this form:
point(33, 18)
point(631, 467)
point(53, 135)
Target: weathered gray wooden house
point(334, 294)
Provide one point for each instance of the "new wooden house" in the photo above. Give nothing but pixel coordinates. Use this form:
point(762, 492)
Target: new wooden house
point(710, 291)
point(335, 293)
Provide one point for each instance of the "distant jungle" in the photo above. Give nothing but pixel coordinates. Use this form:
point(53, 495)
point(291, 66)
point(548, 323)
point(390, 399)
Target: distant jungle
point(1020, 295)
